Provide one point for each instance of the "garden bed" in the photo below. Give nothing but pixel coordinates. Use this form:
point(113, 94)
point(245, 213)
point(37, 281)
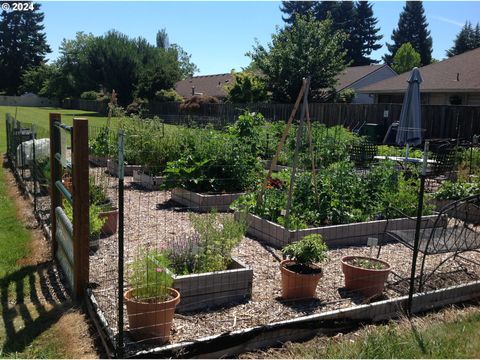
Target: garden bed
point(112, 168)
point(147, 181)
point(99, 161)
point(354, 234)
point(213, 289)
point(203, 202)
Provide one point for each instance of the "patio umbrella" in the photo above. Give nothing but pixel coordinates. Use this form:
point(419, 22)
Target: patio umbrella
point(410, 125)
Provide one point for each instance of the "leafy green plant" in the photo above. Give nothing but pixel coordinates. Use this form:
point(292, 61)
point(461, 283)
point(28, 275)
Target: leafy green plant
point(367, 264)
point(96, 223)
point(148, 276)
point(310, 249)
point(209, 248)
point(103, 144)
point(455, 190)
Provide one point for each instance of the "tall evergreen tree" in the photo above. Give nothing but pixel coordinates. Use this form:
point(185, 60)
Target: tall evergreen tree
point(366, 34)
point(293, 8)
point(324, 9)
point(467, 39)
point(344, 17)
point(412, 28)
point(162, 39)
point(23, 45)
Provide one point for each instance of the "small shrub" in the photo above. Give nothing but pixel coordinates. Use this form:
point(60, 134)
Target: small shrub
point(193, 105)
point(169, 95)
point(137, 107)
point(311, 249)
point(451, 190)
point(89, 95)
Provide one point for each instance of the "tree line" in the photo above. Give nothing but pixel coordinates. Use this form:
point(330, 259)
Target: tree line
point(320, 38)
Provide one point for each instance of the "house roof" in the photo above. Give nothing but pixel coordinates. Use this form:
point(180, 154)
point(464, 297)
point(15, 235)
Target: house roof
point(353, 74)
point(212, 85)
point(460, 73)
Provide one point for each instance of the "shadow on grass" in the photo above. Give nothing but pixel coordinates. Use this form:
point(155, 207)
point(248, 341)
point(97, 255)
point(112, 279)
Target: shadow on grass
point(38, 301)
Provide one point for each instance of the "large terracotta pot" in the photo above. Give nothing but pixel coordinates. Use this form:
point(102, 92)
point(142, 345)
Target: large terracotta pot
point(368, 282)
point(296, 285)
point(111, 220)
point(151, 321)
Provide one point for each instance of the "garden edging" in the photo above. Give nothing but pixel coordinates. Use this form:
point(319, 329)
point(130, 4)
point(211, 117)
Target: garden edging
point(354, 234)
point(204, 202)
point(147, 181)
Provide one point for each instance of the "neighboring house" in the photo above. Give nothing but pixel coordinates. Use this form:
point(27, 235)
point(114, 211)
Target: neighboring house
point(454, 81)
point(356, 77)
point(211, 85)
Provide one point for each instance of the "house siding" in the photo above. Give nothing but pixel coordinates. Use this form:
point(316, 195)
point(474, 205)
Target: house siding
point(379, 75)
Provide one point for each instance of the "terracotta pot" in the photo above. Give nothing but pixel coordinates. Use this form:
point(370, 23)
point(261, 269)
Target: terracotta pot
point(368, 282)
point(296, 285)
point(151, 321)
point(111, 221)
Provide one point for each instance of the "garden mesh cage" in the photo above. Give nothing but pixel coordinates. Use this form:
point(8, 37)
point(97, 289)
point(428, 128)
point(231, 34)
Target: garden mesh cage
point(188, 218)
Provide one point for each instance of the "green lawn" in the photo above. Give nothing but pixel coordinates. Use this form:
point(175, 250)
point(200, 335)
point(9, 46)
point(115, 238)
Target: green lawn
point(39, 116)
point(456, 336)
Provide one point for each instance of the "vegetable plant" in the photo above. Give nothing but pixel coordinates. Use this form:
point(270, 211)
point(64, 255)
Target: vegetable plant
point(310, 249)
point(148, 276)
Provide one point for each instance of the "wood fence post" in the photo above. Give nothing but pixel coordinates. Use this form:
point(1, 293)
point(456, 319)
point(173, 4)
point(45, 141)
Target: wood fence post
point(55, 174)
point(81, 203)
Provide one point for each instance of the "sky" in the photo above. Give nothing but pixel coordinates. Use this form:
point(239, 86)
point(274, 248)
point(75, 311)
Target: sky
point(218, 34)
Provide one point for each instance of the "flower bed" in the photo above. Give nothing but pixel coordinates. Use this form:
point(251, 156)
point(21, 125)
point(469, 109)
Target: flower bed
point(204, 202)
point(213, 289)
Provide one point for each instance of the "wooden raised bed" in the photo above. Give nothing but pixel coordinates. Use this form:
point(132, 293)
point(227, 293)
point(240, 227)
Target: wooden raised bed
point(213, 289)
point(147, 181)
point(472, 211)
point(355, 234)
point(112, 168)
point(204, 202)
point(277, 167)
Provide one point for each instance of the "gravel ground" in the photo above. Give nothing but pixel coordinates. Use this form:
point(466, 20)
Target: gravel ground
point(152, 219)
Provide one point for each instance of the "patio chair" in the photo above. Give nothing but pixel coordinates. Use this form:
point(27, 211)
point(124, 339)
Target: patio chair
point(452, 231)
point(444, 161)
point(363, 153)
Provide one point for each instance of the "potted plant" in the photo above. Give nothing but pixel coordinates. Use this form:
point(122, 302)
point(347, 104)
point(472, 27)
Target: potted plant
point(365, 275)
point(300, 274)
point(107, 212)
point(151, 301)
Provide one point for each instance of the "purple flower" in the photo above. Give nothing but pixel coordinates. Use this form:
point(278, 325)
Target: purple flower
point(159, 270)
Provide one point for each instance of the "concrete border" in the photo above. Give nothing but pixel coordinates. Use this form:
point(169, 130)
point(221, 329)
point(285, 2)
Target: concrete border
point(204, 202)
point(275, 334)
point(354, 234)
point(213, 289)
point(146, 181)
point(112, 168)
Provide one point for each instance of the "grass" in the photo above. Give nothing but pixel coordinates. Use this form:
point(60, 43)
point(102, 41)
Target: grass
point(447, 334)
point(40, 115)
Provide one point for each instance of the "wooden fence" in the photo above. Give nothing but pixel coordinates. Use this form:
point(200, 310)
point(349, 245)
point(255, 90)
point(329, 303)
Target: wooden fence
point(440, 121)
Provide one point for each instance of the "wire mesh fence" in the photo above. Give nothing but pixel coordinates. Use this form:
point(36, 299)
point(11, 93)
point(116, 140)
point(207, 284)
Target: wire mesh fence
point(28, 151)
point(193, 236)
point(193, 223)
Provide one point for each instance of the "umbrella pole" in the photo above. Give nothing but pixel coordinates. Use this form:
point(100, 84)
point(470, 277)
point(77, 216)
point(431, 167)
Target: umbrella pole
point(417, 231)
point(406, 152)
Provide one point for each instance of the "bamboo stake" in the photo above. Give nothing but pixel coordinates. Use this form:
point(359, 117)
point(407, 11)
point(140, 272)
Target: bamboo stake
point(281, 143)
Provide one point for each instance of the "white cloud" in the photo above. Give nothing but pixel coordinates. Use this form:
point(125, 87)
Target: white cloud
point(447, 20)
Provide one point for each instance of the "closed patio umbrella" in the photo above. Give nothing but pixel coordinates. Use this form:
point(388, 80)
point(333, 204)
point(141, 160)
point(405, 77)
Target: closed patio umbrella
point(410, 124)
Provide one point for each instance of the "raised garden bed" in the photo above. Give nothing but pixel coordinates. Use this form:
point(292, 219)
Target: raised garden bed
point(213, 289)
point(147, 181)
point(472, 212)
point(335, 235)
point(112, 168)
point(203, 202)
point(99, 161)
